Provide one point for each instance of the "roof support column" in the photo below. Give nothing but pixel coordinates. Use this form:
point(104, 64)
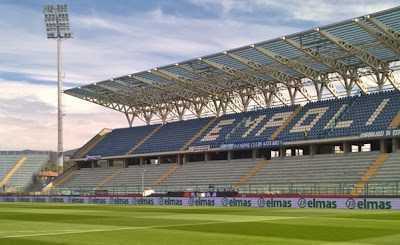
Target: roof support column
point(220, 105)
point(245, 96)
point(319, 87)
point(180, 109)
point(268, 97)
point(163, 112)
point(130, 117)
point(198, 107)
point(224, 106)
point(380, 80)
point(148, 115)
point(292, 90)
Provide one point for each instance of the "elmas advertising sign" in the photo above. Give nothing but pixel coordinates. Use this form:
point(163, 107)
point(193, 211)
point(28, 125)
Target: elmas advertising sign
point(266, 202)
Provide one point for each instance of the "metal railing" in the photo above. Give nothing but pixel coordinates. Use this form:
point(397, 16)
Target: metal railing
point(370, 189)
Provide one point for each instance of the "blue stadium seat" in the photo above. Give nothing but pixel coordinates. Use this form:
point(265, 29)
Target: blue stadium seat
point(121, 141)
point(331, 118)
point(172, 136)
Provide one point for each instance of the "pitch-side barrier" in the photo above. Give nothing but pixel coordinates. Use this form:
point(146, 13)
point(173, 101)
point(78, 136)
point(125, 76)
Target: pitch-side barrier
point(259, 202)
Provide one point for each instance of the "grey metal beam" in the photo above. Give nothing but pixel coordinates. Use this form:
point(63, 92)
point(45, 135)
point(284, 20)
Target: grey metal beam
point(384, 28)
point(181, 93)
point(150, 93)
point(278, 76)
point(126, 95)
point(378, 65)
point(103, 100)
point(249, 79)
point(205, 89)
point(347, 72)
point(319, 78)
point(381, 37)
point(206, 76)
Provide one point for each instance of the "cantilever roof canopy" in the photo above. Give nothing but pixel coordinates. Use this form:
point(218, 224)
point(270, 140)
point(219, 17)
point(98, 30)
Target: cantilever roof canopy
point(329, 60)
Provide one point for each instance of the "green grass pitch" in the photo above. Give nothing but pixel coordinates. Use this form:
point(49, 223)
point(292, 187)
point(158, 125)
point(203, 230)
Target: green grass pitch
point(32, 223)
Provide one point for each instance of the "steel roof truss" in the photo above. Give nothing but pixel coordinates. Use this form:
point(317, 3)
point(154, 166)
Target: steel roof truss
point(316, 76)
point(384, 28)
point(348, 74)
point(379, 66)
point(381, 37)
point(249, 79)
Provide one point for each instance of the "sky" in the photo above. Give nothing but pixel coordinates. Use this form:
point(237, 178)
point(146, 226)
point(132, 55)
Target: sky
point(114, 38)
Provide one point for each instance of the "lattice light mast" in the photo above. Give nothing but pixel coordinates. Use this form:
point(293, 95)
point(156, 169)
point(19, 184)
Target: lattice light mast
point(57, 26)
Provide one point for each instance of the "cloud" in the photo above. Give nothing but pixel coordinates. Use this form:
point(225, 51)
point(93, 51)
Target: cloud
point(28, 117)
point(110, 43)
point(107, 45)
point(317, 11)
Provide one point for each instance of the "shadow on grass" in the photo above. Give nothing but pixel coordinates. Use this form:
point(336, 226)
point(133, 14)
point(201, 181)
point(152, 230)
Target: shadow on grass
point(25, 241)
point(301, 231)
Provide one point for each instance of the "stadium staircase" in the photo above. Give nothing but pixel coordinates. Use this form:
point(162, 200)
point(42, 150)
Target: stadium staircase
point(91, 144)
point(375, 166)
point(12, 171)
point(165, 175)
point(285, 123)
point(390, 171)
point(199, 133)
point(144, 139)
point(251, 173)
point(60, 179)
point(395, 123)
point(109, 178)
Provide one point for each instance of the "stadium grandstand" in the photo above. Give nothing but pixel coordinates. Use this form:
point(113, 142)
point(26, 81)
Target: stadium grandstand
point(19, 170)
point(316, 112)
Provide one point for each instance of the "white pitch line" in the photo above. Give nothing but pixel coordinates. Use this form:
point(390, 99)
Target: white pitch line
point(142, 227)
point(3, 231)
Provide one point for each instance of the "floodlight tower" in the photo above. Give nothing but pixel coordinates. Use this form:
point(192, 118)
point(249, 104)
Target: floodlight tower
point(57, 27)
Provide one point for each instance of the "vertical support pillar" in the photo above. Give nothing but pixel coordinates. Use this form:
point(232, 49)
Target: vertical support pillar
point(206, 157)
point(382, 146)
point(282, 152)
point(159, 160)
point(141, 161)
point(130, 118)
point(395, 144)
point(92, 164)
point(313, 150)
point(254, 154)
point(184, 158)
point(229, 156)
point(346, 147)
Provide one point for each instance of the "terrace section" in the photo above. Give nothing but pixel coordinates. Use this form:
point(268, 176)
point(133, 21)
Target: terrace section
point(22, 167)
point(317, 174)
point(172, 136)
point(246, 127)
point(315, 120)
point(345, 118)
point(7, 161)
point(368, 113)
point(121, 141)
point(220, 174)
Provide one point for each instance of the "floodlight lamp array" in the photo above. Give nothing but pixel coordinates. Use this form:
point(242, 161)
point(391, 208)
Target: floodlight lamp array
point(57, 21)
